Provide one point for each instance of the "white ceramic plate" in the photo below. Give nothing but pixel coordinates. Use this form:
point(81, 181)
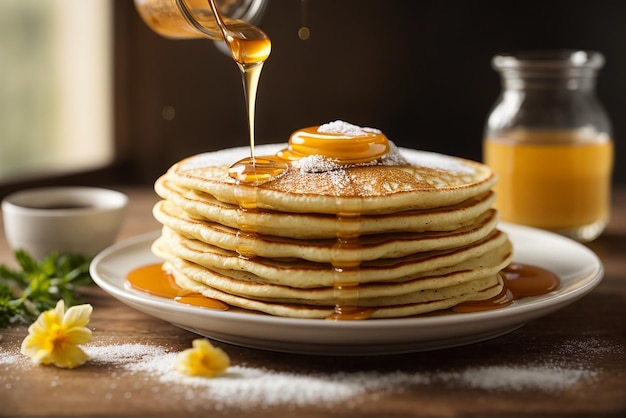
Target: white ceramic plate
point(579, 269)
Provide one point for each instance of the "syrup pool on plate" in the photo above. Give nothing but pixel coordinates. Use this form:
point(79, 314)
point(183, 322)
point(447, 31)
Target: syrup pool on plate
point(520, 280)
point(154, 280)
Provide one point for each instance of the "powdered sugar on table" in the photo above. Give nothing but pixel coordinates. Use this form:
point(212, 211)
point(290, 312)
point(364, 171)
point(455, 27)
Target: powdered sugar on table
point(245, 387)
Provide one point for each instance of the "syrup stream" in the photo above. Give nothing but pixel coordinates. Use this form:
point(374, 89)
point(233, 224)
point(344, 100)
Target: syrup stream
point(249, 47)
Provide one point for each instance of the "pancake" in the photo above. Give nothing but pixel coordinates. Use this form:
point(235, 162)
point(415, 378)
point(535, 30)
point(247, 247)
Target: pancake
point(371, 247)
point(405, 180)
point(300, 225)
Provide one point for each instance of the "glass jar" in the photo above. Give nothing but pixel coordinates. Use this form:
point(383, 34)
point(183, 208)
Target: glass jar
point(548, 138)
point(188, 19)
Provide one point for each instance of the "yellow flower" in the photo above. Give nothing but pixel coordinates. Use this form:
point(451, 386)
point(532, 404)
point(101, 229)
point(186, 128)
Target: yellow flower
point(202, 360)
point(55, 335)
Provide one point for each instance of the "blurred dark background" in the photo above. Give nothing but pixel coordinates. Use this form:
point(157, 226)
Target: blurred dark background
point(418, 70)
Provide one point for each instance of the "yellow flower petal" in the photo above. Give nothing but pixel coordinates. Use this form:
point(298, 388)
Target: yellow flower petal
point(55, 335)
point(202, 360)
point(78, 335)
point(59, 309)
point(30, 346)
point(70, 357)
point(77, 316)
point(45, 321)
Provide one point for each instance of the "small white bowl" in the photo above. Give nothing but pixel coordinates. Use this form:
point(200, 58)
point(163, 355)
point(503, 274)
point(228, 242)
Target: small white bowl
point(82, 220)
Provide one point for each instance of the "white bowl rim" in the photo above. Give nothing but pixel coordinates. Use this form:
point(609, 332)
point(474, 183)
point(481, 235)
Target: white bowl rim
point(94, 199)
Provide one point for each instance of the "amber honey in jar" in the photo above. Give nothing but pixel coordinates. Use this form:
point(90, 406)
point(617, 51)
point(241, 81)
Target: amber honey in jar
point(548, 138)
point(188, 19)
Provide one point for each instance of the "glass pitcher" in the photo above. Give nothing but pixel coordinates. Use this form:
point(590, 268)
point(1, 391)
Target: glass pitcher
point(188, 19)
point(548, 138)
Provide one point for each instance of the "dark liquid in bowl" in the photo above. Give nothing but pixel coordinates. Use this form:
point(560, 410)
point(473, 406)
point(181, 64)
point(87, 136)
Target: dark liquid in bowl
point(60, 206)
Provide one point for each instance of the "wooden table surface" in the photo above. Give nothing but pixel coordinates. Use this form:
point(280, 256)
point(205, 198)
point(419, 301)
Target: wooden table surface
point(571, 363)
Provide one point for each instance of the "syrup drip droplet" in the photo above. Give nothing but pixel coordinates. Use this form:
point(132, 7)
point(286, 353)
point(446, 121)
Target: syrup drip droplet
point(257, 170)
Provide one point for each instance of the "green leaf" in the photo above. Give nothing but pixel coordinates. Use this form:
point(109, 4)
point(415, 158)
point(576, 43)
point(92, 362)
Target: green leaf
point(37, 286)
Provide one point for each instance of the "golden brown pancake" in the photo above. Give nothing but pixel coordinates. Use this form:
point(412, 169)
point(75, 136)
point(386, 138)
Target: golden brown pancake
point(203, 206)
point(416, 180)
point(371, 247)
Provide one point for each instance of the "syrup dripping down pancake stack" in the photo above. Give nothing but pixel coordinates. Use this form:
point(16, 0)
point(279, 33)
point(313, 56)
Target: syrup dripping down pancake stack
point(337, 224)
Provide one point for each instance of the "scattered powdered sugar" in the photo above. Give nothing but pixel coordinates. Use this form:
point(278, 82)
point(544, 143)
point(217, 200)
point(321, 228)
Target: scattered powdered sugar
point(9, 358)
point(250, 387)
point(584, 348)
point(263, 387)
point(124, 353)
point(345, 128)
point(545, 377)
point(246, 387)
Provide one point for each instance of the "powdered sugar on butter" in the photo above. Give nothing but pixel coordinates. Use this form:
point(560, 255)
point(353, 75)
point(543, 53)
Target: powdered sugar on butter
point(321, 164)
point(340, 127)
point(316, 164)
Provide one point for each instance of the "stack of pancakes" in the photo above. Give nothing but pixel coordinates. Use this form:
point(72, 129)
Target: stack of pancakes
point(410, 233)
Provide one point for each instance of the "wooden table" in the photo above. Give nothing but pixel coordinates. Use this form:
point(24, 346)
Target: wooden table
point(569, 363)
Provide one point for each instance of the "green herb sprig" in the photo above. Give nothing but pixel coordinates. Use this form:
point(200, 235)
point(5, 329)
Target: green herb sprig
point(37, 286)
